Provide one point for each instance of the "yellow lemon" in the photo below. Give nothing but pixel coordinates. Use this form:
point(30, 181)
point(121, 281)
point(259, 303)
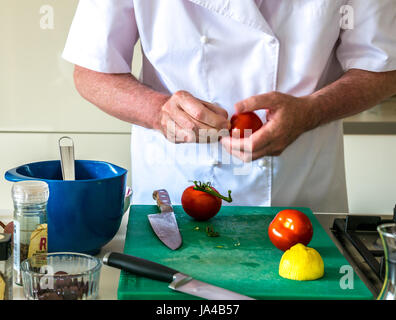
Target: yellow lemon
point(301, 263)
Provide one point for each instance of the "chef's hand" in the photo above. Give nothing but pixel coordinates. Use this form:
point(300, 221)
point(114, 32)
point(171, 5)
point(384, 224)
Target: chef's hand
point(186, 119)
point(287, 118)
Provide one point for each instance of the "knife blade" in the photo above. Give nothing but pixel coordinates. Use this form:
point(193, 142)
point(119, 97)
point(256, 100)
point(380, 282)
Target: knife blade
point(164, 224)
point(177, 281)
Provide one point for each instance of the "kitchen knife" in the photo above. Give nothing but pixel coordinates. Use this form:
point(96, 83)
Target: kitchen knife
point(178, 281)
point(164, 223)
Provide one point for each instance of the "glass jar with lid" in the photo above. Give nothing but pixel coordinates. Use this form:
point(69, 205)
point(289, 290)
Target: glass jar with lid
point(30, 222)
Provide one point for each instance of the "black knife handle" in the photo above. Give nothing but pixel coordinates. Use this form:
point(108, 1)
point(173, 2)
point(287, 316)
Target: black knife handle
point(139, 266)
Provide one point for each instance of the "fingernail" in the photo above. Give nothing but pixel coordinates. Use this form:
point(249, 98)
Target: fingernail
point(238, 106)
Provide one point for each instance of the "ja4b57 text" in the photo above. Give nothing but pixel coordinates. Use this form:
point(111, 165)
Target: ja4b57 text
point(202, 310)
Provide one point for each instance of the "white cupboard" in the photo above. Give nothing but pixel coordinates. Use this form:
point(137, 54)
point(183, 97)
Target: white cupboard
point(370, 162)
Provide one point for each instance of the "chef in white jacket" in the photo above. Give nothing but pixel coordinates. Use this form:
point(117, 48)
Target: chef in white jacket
point(301, 65)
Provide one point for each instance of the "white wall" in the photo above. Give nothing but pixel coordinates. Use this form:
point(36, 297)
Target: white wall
point(38, 104)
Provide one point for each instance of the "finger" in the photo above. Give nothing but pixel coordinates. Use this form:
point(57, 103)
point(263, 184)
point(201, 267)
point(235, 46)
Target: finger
point(242, 155)
point(202, 133)
point(237, 144)
point(263, 101)
point(216, 108)
point(246, 156)
point(184, 120)
point(258, 140)
point(205, 133)
point(201, 112)
point(176, 134)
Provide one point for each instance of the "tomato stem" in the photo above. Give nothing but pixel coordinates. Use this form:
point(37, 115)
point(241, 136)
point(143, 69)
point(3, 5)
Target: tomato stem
point(211, 232)
point(207, 187)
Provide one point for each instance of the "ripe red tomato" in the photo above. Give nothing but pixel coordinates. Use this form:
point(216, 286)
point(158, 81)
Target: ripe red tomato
point(200, 205)
point(243, 121)
point(290, 227)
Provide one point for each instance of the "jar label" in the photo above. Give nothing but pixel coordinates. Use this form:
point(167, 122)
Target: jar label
point(38, 245)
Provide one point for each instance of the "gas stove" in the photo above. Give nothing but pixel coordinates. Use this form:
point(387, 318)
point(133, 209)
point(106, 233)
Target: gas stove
point(358, 240)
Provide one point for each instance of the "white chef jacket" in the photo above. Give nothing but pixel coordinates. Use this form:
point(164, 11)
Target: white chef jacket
point(224, 51)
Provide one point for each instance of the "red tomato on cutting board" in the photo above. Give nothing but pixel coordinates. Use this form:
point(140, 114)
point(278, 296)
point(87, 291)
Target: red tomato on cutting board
point(290, 227)
point(244, 121)
point(200, 205)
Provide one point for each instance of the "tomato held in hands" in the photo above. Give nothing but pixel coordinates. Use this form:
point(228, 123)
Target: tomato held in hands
point(202, 202)
point(244, 121)
point(290, 227)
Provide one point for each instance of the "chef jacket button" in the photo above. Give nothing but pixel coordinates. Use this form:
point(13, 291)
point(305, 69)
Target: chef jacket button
point(273, 42)
point(204, 39)
point(213, 162)
point(262, 163)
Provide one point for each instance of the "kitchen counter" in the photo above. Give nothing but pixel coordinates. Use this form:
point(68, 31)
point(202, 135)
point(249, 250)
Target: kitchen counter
point(110, 276)
point(380, 120)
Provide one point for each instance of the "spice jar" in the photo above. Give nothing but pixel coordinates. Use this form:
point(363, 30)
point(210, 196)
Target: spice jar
point(5, 267)
point(30, 222)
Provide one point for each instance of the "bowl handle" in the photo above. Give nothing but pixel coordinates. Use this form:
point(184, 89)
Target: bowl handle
point(13, 176)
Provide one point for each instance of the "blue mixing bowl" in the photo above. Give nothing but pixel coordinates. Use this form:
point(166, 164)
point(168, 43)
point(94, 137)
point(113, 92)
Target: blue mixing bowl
point(84, 214)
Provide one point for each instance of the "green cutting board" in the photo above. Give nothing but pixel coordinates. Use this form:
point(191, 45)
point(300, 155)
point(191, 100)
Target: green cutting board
point(241, 259)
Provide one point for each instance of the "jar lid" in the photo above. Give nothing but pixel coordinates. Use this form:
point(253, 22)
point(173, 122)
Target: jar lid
point(5, 246)
point(30, 192)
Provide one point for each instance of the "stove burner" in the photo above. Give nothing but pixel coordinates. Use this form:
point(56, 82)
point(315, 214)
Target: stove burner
point(378, 244)
point(361, 232)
